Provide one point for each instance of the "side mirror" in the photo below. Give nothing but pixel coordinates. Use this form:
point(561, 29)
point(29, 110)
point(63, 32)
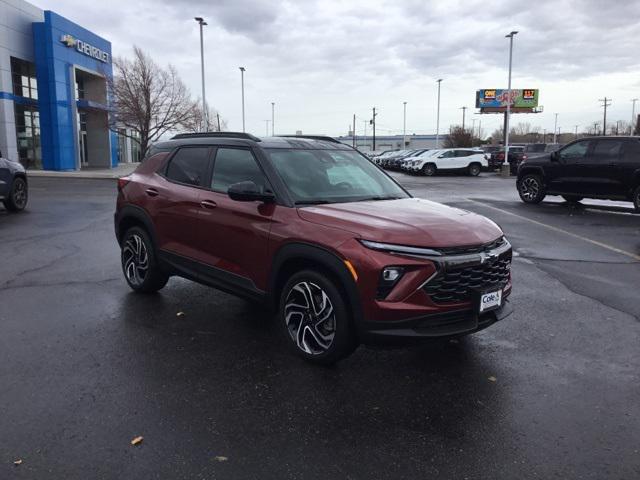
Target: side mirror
point(554, 156)
point(248, 192)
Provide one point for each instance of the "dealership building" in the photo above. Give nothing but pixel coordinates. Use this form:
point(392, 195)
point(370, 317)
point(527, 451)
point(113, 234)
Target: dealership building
point(54, 101)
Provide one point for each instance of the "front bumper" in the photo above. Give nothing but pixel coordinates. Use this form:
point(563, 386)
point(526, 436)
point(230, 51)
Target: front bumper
point(438, 325)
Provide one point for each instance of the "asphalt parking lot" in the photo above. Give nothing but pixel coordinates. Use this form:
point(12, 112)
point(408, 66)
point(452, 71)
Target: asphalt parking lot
point(85, 365)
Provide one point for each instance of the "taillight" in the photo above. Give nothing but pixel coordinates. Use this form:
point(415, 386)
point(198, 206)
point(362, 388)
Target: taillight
point(122, 182)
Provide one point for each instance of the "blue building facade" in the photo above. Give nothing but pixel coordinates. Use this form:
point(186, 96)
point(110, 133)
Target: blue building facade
point(54, 95)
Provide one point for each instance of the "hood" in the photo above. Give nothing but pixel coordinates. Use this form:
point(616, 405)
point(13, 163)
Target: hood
point(408, 221)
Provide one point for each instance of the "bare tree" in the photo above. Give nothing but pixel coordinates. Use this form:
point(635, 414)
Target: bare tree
point(497, 136)
point(458, 137)
point(212, 122)
point(148, 99)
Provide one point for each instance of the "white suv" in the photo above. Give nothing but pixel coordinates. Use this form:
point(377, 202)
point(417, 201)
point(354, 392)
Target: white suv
point(468, 160)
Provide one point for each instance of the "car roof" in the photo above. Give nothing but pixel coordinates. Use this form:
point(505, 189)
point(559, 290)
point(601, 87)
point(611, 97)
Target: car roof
point(251, 141)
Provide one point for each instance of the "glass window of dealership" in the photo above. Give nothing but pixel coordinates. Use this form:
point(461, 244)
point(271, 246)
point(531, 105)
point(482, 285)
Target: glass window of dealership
point(54, 101)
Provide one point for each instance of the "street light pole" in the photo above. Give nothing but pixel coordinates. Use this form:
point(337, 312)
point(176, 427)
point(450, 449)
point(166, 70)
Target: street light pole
point(506, 133)
point(634, 121)
point(205, 113)
point(404, 126)
point(577, 131)
point(242, 70)
point(555, 128)
point(438, 116)
point(273, 116)
point(464, 111)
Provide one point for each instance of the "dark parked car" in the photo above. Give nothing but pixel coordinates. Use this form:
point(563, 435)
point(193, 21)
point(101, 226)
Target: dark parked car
point(14, 190)
point(316, 232)
point(516, 155)
point(596, 167)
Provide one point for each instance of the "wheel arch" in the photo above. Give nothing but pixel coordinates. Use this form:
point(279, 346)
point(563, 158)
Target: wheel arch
point(297, 256)
point(133, 216)
point(531, 170)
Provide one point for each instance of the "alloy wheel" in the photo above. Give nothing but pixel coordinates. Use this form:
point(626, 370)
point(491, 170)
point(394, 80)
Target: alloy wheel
point(135, 260)
point(20, 194)
point(310, 318)
point(529, 188)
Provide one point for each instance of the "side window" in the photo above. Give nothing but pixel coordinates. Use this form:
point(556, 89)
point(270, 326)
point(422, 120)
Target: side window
point(607, 151)
point(463, 153)
point(448, 154)
point(631, 152)
point(233, 165)
point(189, 165)
point(574, 152)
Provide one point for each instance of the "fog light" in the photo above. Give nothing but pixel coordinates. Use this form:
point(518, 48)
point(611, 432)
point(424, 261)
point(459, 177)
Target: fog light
point(391, 274)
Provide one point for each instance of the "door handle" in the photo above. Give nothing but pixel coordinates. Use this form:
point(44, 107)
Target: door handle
point(152, 192)
point(208, 204)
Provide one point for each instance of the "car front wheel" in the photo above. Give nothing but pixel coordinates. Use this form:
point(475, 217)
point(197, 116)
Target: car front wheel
point(18, 196)
point(531, 189)
point(314, 316)
point(139, 262)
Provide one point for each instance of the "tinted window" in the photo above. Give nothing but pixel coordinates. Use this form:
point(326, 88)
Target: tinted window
point(189, 165)
point(235, 165)
point(575, 151)
point(449, 154)
point(631, 151)
point(463, 153)
point(607, 151)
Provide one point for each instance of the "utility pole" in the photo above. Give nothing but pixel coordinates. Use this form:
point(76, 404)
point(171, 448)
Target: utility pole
point(438, 116)
point(605, 103)
point(373, 122)
point(218, 116)
point(354, 130)
point(242, 70)
point(273, 116)
point(555, 128)
point(205, 113)
point(544, 135)
point(506, 133)
point(577, 131)
point(464, 111)
point(404, 126)
point(634, 120)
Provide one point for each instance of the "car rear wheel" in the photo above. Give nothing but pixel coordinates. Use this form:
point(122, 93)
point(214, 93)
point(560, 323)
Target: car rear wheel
point(429, 170)
point(139, 262)
point(636, 199)
point(315, 319)
point(474, 169)
point(572, 198)
point(531, 189)
point(18, 196)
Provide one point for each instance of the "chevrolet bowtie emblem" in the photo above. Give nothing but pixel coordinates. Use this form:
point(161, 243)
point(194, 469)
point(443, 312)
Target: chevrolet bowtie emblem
point(68, 40)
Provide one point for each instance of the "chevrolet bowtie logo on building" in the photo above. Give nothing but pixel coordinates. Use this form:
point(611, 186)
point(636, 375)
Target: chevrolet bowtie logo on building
point(68, 40)
point(85, 48)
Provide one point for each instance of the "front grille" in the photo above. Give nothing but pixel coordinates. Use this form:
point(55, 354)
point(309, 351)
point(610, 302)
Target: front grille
point(459, 285)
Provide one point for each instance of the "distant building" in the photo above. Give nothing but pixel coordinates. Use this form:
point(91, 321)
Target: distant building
point(391, 142)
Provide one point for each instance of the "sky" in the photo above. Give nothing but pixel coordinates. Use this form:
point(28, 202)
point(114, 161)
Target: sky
point(323, 61)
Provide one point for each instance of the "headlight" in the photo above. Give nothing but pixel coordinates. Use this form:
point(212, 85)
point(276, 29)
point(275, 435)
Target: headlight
point(400, 249)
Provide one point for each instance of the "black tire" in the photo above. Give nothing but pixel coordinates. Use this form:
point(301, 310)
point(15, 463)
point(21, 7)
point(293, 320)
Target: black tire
point(429, 170)
point(474, 169)
point(531, 189)
point(300, 315)
point(18, 196)
point(636, 199)
point(572, 198)
point(139, 262)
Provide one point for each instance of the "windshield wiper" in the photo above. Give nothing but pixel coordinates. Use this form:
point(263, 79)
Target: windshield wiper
point(380, 197)
point(312, 202)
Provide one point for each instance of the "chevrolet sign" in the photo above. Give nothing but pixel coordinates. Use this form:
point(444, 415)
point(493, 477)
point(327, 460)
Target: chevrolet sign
point(85, 48)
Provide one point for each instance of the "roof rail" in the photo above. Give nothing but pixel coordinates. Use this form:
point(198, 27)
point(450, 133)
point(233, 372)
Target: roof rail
point(246, 136)
point(323, 138)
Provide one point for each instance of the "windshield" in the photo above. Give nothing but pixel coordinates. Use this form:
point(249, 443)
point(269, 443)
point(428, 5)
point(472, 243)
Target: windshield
point(332, 176)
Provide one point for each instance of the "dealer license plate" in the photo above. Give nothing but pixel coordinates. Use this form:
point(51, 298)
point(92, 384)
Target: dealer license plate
point(490, 301)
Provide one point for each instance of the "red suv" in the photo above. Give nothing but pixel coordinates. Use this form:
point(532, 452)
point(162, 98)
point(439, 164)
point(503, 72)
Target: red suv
point(318, 233)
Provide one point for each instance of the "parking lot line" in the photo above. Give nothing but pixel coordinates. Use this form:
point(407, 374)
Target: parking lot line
point(560, 230)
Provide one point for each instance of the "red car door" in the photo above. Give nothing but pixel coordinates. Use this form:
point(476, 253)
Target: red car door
point(174, 202)
point(234, 236)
